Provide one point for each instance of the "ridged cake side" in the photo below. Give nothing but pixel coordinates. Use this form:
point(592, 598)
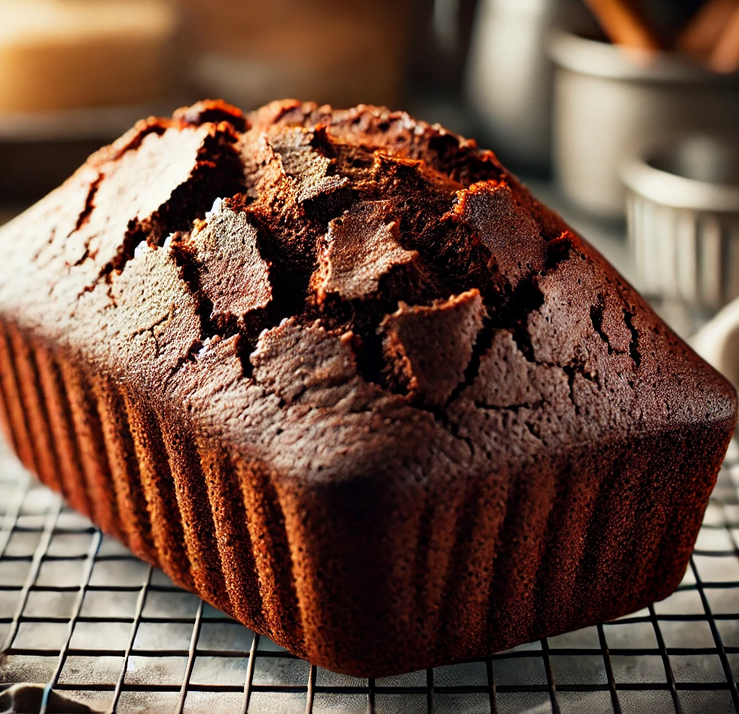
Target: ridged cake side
point(456, 570)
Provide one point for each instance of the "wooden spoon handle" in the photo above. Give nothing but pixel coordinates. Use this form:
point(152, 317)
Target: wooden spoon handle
point(624, 24)
point(702, 33)
point(725, 55)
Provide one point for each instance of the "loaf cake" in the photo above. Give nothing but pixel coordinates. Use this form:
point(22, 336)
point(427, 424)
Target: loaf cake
point(342, 376)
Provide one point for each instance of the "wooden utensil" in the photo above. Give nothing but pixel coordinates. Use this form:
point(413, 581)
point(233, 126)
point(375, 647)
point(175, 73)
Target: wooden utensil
point(625, 24)
point(725, 55)
point(702, 34)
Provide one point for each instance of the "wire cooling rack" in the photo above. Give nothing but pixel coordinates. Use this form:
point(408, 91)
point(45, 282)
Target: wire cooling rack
point(81, 616)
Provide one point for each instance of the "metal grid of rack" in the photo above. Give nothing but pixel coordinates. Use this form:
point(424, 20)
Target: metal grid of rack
point(82, 617)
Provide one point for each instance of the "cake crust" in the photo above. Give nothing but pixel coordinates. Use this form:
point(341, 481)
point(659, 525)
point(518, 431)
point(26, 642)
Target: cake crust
point(340, 374)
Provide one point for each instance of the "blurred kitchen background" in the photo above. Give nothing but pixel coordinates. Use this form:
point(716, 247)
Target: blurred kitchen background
point(622, 114)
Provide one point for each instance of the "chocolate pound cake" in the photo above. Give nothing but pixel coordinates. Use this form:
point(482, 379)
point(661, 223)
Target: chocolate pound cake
point(338, 373)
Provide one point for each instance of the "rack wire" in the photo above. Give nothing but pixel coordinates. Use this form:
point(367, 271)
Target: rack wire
point(85, 619)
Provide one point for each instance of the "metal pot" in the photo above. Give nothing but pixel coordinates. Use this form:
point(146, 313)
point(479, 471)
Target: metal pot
point(609, 101)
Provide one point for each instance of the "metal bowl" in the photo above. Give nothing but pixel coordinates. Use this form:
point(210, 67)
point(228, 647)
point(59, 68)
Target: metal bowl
point(683, 219)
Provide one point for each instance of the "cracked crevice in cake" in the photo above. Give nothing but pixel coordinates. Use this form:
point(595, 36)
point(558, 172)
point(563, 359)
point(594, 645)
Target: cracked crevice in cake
point(318, 221)
point(340, 374)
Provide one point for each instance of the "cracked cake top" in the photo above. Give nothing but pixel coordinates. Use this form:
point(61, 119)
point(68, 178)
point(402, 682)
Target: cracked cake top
point(355, 279)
